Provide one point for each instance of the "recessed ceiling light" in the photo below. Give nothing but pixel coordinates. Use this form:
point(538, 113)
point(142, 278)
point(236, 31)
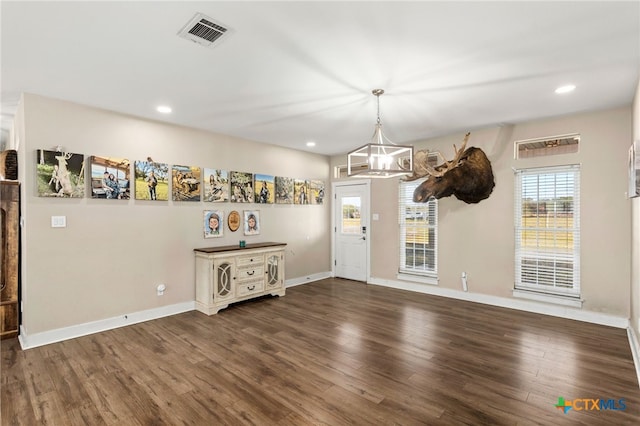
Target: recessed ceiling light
point(164, 109)
point(310, 144)
point(565, 89)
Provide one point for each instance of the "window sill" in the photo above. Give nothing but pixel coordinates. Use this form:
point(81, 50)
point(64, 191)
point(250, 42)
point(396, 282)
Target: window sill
point(572, 301)
point(422, 279)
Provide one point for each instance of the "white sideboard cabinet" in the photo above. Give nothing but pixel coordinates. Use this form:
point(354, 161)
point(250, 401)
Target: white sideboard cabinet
point(229, 274)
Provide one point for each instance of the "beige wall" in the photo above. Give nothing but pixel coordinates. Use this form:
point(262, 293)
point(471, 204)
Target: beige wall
point(478, 238)
point(111, 256)
point(635, 234)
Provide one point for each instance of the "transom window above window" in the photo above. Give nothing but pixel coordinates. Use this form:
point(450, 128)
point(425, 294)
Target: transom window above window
point(565, 144)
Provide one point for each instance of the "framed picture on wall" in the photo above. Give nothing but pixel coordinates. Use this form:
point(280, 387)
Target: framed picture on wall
point(264, 189)
point(213, 223)
point(241, 187)
point(284, 190)
point(185, 183)
point(151, 180)
point(316, 192)
point(60, 174)
point(216, 185)
point(110, 178)
point(634, 170)
point(251, 222)
point(301, 191)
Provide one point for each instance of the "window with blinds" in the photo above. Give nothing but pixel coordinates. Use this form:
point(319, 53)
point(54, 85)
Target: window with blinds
point(418, 232)
point(547, 230)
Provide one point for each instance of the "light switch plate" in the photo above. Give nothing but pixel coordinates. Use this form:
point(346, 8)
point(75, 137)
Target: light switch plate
point(58, 221)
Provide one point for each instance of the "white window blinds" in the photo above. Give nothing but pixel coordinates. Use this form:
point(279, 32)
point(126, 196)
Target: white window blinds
point(547, 230)
point(418, 232)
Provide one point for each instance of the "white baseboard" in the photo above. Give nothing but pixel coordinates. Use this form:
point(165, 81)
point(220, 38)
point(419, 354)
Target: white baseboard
point(635, 350)
point(505, 302)
point(28, 341)
point(308, 279)
point(40, 339)
point(47, 337)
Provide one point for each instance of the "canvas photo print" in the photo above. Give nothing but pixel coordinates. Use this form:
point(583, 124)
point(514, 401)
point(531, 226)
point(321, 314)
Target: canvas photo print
point(284, 190)
point(634, 170)
point(59, 174)
point(216, 185)
point(110, 178)
point(241, 187)
point(151, 180)
point(264, 189)
point(301, 191)
point(316, 192)
point(185, 183)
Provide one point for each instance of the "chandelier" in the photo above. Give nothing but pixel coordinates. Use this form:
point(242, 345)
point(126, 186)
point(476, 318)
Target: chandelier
point(380, 158)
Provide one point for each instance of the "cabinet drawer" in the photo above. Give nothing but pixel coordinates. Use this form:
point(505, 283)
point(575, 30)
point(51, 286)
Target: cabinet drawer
point(252, 272)
point(256, 259)
point(249, 287)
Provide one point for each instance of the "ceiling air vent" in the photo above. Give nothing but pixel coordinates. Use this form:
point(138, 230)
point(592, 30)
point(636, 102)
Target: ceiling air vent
point(203, 30)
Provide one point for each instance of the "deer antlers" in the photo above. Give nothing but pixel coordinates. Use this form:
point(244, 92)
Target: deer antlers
point(421, 167)
point(65, 155)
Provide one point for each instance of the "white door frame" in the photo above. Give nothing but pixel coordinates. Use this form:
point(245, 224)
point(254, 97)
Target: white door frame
point(334, 185)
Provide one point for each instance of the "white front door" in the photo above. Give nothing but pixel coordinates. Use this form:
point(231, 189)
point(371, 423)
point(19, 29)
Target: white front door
point(351, 229)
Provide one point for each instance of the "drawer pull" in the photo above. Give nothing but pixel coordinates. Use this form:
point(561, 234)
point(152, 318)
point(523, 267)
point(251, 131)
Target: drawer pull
point(253, 287)
point(251, 273)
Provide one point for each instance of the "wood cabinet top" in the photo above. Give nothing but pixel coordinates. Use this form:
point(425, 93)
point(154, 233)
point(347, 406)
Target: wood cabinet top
point(238, 248)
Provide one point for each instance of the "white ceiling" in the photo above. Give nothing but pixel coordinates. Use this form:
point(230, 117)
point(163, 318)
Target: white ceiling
point(298, 71)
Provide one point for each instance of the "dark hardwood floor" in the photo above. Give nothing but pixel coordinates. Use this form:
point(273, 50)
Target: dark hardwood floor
point(333, 352)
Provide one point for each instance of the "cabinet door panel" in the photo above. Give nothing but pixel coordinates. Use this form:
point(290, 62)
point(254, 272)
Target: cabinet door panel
point(223, 288)
point(274, 275)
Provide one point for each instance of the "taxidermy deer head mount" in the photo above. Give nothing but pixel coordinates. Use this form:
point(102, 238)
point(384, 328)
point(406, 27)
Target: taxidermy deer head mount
point(468, 176)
